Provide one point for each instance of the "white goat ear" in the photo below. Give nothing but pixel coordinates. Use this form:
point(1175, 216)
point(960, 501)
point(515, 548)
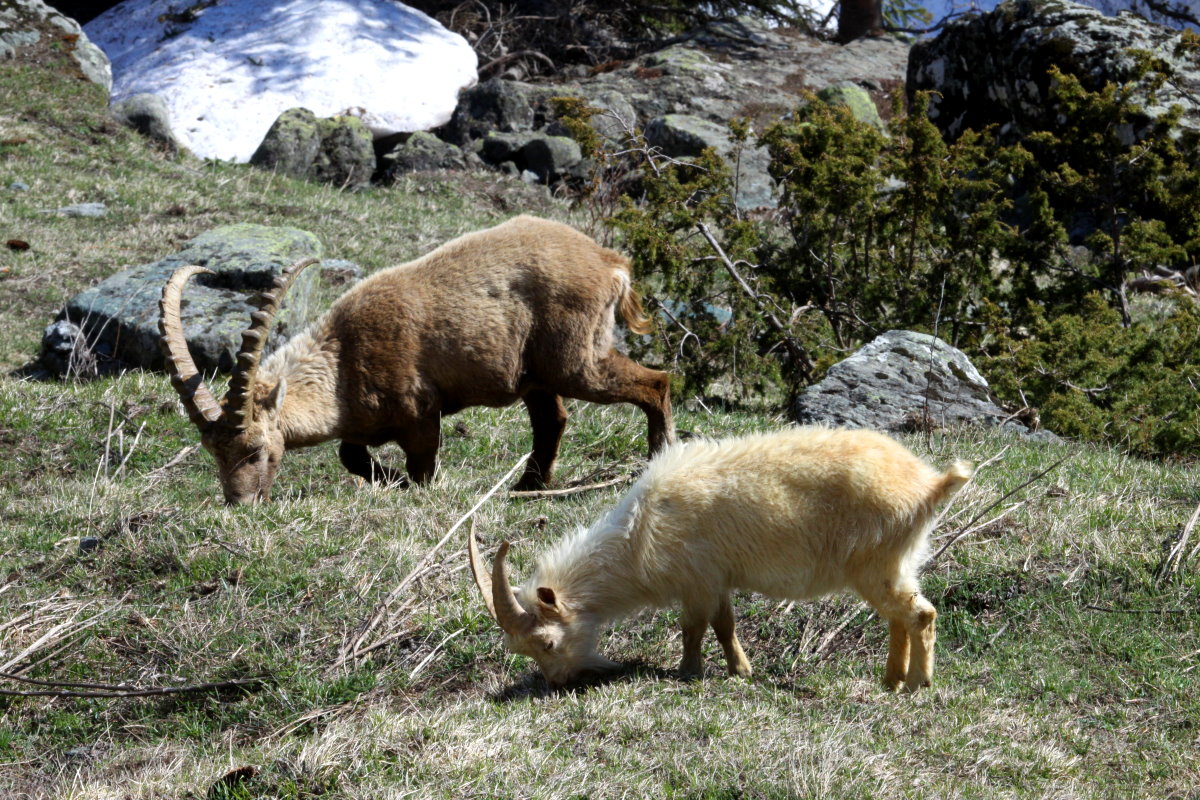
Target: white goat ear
point(274, 399)
point(546, 595)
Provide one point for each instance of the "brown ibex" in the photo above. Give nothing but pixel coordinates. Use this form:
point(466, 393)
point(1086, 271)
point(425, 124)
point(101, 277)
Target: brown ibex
point(794, 514)
point(524, 310)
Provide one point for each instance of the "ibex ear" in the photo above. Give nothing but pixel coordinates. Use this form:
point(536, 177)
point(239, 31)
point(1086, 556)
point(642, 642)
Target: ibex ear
point(274, 399)
point(546, 595)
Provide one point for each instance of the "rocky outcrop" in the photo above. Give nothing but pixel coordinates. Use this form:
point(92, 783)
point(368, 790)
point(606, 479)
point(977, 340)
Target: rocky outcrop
point(114, 325)
point(685, 94)
point(227, 70)
point(993, 67)
point(30, 23)
point(903, 381)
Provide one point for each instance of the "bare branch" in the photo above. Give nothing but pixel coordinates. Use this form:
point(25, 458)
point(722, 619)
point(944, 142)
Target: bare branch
point(71, 689)
point(968, 528)
point(799, 356)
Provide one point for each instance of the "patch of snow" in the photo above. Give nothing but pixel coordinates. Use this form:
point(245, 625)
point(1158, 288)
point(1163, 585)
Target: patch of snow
point(228, 68)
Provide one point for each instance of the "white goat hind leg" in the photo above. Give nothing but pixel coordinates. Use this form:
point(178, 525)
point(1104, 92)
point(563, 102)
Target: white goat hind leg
point(913, 631)
point(723, 625)
point(922, 636)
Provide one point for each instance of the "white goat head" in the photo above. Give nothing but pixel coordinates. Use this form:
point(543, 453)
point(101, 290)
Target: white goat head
point(549, 630)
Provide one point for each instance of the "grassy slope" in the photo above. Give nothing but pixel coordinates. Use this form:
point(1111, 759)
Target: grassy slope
point(1037, 694)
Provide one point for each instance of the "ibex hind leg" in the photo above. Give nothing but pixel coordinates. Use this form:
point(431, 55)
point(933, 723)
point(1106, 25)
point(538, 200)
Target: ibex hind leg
point(357, 459)
point(618, 379)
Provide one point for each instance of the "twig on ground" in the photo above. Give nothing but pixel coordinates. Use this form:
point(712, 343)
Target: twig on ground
point(175, 459)
point(570, 489)
point(1139, 610)
point(425, 661)
point(827, 639)
point(68, 689)
point(354, 649)
point(968, 528)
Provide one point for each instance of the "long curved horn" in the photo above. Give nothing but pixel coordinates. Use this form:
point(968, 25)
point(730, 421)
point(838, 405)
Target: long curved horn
point(202, 408)
point(482, 579)
point(238, 400)
point(512, 618)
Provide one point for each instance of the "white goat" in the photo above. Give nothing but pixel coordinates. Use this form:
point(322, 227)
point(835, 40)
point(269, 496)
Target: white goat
point(793, 514)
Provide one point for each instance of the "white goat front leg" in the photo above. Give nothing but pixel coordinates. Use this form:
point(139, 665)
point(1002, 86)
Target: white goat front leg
point(694, 619)
point(724, 626)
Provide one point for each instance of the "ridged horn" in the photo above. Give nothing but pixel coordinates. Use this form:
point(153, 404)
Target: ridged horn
point(238, 400)
point(482, 579)
point(202, 408)
point(512, 619)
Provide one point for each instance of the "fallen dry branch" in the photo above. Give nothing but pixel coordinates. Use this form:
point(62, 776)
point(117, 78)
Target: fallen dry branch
point(587, 487)
point(175, 459)
point(357, 647)
point(1107, 610)
point(800, 358)
point(76, 689)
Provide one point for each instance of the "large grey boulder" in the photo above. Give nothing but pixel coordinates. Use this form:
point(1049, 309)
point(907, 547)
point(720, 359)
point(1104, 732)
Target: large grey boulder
point(994, 67)
point(336, 150)
point(114, 325)
point(902, 380)
point(147, 114)
point(25, 23)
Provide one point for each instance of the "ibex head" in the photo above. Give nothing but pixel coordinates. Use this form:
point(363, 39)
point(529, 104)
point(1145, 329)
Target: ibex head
point(243, 431)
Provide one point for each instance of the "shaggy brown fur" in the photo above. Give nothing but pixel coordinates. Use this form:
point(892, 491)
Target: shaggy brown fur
point(523, 311)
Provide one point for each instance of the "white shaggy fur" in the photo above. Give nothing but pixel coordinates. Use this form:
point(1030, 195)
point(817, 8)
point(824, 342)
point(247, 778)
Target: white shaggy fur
point(794, 514)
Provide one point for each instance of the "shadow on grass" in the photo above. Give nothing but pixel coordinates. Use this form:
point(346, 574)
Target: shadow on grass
point(534, 685)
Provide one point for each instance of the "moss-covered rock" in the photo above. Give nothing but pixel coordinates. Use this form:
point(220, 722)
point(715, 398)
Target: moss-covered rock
point(336, 150)
point(857, 100)
point(118, 318)
point(291, 145)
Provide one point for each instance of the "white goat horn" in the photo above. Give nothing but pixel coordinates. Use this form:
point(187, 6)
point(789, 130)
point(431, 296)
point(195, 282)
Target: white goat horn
point(513, 619)
point(202, 408)
point(482, 579)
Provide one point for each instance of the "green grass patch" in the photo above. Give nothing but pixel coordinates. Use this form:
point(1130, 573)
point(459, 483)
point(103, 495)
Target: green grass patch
point(1064, 667)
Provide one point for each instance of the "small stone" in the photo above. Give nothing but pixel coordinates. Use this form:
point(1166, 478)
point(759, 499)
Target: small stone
point(19, 186)
point(88, 544)
point(79, 210)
